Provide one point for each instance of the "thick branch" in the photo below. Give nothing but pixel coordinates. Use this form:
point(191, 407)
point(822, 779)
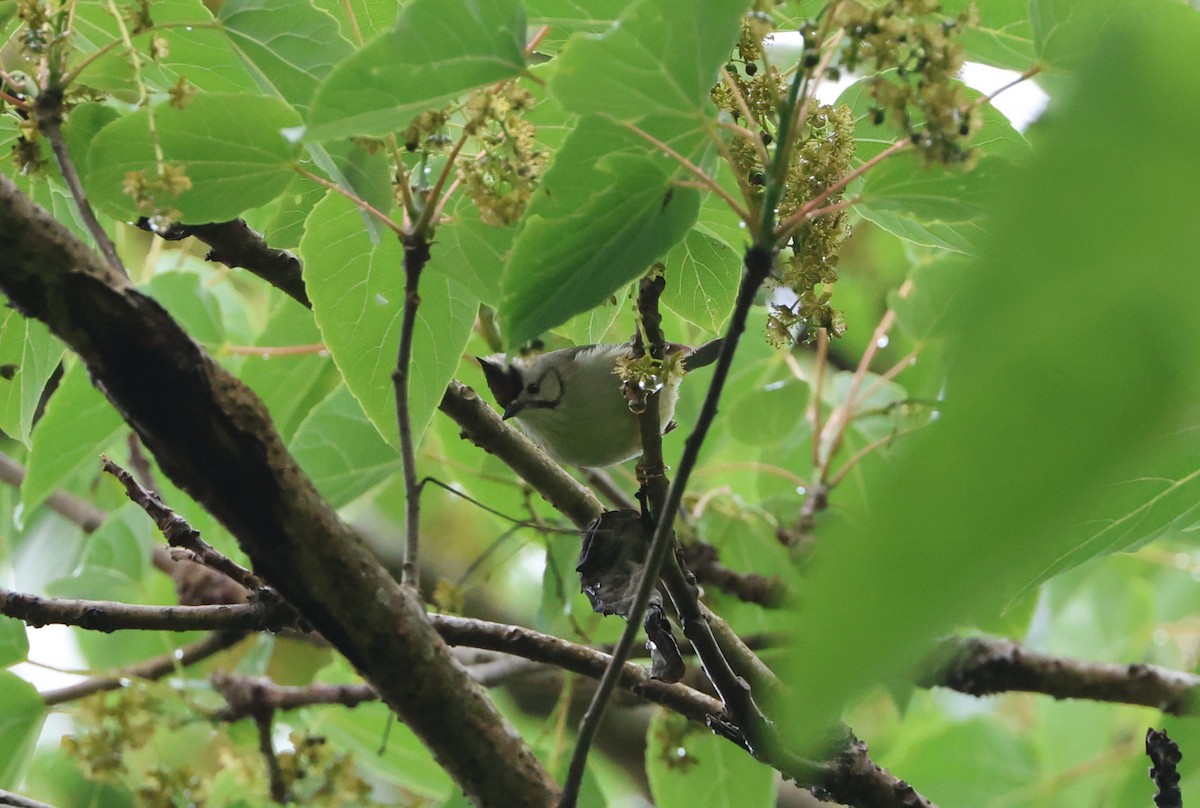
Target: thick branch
point(213, 437)
point(981, 666)
point(235, 245)
point(107, 616)
point(483, 427)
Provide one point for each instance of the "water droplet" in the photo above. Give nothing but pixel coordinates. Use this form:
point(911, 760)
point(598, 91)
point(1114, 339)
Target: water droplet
point(882, 342)
point(179, 653)
point(381, 300)
point(187, 28)
point(265, 356)
point(123, 682)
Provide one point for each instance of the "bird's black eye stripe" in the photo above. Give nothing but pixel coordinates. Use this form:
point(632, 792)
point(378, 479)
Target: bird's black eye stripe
point(532, 389)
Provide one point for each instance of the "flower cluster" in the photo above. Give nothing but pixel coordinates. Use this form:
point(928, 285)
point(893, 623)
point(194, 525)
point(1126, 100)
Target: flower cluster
point(151, 195)
point(914, 51)
point(504, 173)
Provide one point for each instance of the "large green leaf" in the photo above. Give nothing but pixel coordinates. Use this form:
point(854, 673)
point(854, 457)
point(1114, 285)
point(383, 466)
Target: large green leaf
point(357, 291)
point(231, 146)
point(1073, 369)
point(28, 356)
point(289, 59)
point(693, 768)
point(657, 60)
point(702, 279)
point(197, 52)
point(436, 51)
point(605, 211)
point(341, 450)
point(21, 712)
point(78, 425)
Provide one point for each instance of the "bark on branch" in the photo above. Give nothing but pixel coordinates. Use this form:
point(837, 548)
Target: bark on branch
point(213, 437)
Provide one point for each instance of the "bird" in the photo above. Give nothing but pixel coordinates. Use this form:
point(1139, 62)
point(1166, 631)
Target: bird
point(570, 401)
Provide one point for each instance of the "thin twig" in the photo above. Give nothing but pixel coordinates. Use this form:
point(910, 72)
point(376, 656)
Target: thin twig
point(8, 798)
point(814, 401)
point(359, 202)
point(706, 181)
point(48, 112)
point(262, 722)
point(806, 210)
point(1028, 74)
point(744, 108)
point(150, 669)
point(276, 350)
point(416, 255)
point(177, 531)
point(79, 511)
point(434, 201)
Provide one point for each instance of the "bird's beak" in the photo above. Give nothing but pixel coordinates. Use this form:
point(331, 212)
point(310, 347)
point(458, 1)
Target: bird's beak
point(512, 409)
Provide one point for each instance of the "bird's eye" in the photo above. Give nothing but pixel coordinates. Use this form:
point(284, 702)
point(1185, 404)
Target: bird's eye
point(532, 389)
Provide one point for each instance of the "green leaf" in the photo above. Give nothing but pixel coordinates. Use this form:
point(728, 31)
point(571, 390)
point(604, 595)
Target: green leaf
point(366, 17)
point(606, 210)
point(115, 558)
point(231, 147)
point(1002, 38)
point(1073, 370)
point(191, 303)
point(14, 643)
point(436, 51)
point(1160, 498)
point(702, 275)
point(287, 60)
point(1065, 31)
point(198, 52)
point(926, 309)
point(404, 759)
point(29, 353)
point(21, 713)
point(927, 206)
point(289, 384)
point(657, 59)
point(471, 252)
point(78, 425)
point(357, 291)
point(690, 767)
point(341, 450)
point(286, 226)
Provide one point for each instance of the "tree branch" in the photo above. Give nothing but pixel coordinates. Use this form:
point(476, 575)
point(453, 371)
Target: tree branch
point(178, 532)
point(109, 616)
point(150, 669)
point(82, 513)
point(48, 113)
point(981, 666)
point(235, 245)
point(483, 427)
point(231, 460)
